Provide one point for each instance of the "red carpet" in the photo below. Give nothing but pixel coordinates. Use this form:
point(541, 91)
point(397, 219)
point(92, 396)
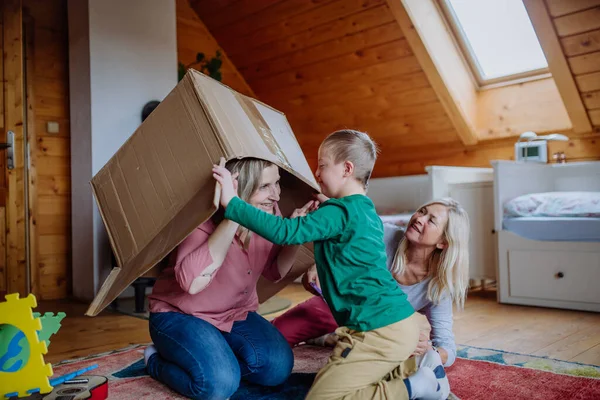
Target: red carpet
point(469, 378)
point(474, 380)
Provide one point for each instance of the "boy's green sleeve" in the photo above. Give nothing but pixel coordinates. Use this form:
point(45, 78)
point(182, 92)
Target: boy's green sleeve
point(325, 223)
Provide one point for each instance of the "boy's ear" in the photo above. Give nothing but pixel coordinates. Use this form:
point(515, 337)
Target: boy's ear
point(348, 168)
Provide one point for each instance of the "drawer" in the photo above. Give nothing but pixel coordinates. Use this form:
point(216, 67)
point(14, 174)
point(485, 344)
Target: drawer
point(554, 275)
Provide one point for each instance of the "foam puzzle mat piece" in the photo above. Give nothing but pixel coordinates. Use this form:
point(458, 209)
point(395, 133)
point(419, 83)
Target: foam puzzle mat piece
point(30, 375)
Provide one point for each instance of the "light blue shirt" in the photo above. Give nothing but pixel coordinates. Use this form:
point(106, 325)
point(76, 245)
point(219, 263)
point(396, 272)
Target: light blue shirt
point(438, 315)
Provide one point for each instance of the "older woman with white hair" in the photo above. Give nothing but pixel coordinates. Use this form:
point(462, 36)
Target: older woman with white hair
point(430, 262)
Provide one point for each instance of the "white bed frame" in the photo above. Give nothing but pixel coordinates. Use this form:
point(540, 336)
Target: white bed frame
point(543, 273)
point(472, 187)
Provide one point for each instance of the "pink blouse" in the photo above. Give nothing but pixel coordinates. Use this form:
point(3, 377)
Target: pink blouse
point(231, 294)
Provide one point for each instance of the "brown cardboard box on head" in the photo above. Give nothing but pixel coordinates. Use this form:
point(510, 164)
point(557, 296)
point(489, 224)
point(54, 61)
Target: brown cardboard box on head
point(158, 187)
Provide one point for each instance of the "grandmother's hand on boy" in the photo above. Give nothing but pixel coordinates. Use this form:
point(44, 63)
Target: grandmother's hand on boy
point(423, 345)
point(228, 184)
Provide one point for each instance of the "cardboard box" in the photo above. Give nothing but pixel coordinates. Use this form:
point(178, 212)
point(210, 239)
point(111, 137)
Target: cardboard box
point(159, 187)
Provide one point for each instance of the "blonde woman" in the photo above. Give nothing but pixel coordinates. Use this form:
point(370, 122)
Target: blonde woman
point(207, 334)
point(430, 262)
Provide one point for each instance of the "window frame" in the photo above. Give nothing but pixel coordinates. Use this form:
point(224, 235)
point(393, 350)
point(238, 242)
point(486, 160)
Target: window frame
point(470, 58)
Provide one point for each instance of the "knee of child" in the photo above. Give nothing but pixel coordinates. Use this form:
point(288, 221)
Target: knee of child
point(222, 384)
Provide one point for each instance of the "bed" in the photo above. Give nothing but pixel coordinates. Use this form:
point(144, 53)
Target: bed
point(547, 221)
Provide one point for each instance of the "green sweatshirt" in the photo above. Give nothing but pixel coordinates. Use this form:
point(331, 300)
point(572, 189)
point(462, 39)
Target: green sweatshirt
point(349, 253)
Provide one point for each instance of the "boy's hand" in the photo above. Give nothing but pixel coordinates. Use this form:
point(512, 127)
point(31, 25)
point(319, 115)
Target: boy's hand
point(308, 207)
point(228, 184)
point(311, 276)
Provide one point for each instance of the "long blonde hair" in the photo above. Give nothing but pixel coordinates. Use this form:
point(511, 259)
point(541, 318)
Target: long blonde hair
point(448, 267)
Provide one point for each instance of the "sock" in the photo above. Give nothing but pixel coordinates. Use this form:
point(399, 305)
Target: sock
point(149, 352)
point(423, 385)
point(432, 360)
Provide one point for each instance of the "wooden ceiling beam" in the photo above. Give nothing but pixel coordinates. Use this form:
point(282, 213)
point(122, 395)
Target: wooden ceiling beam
point(558, 65)
point(431, 42)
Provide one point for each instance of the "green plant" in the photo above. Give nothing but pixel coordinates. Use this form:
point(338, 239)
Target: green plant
point(210, 67)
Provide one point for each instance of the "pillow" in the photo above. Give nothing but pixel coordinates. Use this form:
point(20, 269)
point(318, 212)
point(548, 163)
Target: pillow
point(554, 204)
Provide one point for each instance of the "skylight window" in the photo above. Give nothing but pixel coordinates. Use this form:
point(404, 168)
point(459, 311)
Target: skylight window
point(497, 38)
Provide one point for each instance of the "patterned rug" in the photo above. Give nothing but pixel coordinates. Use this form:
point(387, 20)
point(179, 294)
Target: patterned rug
point(480, 373)
point(477, 374)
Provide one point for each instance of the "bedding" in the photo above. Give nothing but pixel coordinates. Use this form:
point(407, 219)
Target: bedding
point(554, 204)
point(556, 229)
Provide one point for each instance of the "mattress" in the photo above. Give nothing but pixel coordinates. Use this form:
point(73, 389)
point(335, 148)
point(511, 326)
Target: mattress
point(557, 229)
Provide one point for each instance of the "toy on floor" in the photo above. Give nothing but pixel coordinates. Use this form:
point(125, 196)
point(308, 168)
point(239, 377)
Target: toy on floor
point(50, 325)
point(72, 386)
point(67, 377)
point(22, 367)
point(89, 387)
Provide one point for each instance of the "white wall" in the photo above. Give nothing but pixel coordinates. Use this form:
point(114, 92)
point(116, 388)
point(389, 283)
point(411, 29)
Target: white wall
point(122, 55)
point(133, 59)
point(399, 194)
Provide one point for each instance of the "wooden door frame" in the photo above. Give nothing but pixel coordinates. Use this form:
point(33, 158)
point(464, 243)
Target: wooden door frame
point(17, 271)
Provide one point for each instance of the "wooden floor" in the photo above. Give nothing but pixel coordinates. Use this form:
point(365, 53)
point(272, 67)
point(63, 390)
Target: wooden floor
point(560, 334)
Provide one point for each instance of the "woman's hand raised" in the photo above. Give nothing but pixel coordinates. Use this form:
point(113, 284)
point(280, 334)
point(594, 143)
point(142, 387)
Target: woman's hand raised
point(227, 181)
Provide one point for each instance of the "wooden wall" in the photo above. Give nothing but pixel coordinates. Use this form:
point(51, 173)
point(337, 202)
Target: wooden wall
point(577, 24)
point(3, 275)
point(49, 88)
point(330, 64)
point(327, 64)
point(193, 37)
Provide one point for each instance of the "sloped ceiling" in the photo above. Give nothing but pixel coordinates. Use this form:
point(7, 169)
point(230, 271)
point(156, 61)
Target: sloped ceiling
point(331, 64)
point(577, 24)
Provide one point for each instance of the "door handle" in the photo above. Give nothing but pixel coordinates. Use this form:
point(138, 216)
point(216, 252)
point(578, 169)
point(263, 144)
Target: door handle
point(8, 146)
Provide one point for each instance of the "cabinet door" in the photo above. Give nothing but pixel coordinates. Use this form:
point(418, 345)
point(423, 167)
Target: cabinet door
point(478, 200)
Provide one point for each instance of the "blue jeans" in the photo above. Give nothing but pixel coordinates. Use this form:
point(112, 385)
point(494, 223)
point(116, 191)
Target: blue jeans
point(199, 361)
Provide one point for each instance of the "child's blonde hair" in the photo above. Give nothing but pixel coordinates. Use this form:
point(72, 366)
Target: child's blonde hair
point(356, 147)
point(448, 267)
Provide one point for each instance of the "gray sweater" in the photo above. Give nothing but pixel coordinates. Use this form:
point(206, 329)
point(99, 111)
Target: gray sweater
point(438, 315)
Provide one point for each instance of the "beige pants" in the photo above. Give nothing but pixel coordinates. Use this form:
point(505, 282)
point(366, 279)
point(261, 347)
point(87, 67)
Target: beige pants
point(369, 365)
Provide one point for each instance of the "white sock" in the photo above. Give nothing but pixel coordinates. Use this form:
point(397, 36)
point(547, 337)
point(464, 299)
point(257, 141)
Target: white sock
point(423, 385)
point(432, 360)
point(148, 351)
